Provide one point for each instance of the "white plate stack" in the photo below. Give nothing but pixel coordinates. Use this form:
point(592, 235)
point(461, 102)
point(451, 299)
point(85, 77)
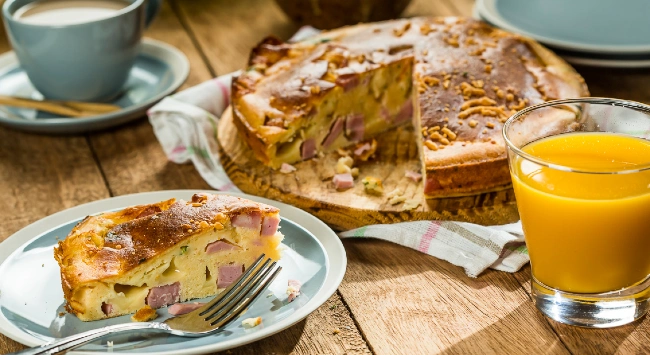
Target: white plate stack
point(604, 33)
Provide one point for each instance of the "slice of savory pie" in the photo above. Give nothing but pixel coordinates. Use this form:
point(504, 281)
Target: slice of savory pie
point(117, 262)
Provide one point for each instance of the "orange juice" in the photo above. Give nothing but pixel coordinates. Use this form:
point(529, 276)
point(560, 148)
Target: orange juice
point(586, 232)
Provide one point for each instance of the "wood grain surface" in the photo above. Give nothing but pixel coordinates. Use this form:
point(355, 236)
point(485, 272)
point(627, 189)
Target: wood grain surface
point(393, 300)
point(311, 189)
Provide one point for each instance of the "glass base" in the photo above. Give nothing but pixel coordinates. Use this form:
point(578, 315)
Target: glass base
point(603, 310)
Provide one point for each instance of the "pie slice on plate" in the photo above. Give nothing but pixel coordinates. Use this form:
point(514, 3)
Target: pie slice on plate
point(115, 263)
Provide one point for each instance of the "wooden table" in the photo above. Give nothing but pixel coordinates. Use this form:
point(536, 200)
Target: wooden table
point(392, 300)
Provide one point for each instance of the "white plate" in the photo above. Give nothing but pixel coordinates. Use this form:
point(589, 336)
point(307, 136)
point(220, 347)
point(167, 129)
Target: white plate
point(159, 69)
point(613, 27)
point(31, 295)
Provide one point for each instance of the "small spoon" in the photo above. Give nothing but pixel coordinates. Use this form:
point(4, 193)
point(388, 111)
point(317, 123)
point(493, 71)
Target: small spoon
point(75, 109)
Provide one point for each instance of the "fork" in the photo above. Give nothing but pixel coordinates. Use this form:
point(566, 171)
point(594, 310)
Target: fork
point(208, 319)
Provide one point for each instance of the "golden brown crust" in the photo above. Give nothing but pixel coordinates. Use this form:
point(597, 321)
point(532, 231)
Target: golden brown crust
point(468, 78)
point(110, 244)
point(144, 314)
point(510, 73)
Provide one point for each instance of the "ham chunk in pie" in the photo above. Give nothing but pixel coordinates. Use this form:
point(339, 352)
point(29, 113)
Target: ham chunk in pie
point(308, 149)
point(354, 127)
point(253, 220)
point(218, 246)
point(335, 132)
point(228, 274)
point(270, 226)
point(247, 220)
point(164, 295)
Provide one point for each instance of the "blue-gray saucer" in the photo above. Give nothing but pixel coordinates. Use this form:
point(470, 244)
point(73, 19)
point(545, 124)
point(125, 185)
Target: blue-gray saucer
point(159, 70)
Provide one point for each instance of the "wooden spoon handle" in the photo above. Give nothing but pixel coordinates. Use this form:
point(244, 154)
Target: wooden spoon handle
point(63, 108)
point(91, 106)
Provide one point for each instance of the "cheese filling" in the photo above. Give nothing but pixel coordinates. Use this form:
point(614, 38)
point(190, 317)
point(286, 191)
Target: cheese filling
point(193, 268)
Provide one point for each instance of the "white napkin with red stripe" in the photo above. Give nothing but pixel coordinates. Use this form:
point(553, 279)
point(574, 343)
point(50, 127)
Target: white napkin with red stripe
point(186, 127)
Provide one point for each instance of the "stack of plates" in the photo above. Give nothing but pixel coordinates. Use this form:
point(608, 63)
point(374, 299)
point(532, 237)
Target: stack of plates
point(605, 33)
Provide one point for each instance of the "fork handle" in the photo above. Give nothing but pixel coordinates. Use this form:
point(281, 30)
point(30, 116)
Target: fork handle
point(73, 341)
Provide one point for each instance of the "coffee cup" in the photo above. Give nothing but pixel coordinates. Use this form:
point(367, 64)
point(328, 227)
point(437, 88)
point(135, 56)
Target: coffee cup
point(77, 49)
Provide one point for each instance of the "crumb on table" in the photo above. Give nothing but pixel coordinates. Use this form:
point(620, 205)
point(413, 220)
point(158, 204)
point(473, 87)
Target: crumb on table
point(344, 165)
point(372, 185)
point(410, 204)
point(396, 196)
point(365, 150)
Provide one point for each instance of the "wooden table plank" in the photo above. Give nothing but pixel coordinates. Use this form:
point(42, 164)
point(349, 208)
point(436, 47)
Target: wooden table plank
point(329, 330)
point(408, 302)
point(130, 156)
point(133, 161)
point(227, 30)
point(629, 339)
point(628, 84)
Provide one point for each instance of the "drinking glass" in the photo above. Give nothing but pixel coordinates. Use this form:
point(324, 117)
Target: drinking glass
point(587, 227)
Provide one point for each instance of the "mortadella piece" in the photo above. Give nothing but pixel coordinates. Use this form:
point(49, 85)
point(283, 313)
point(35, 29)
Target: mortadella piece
point(228, 274)
point(183, 308)
point(163, 295)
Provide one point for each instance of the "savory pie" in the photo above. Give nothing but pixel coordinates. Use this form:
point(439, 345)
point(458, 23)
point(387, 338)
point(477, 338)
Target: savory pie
point(116, 263)
point(457, 80)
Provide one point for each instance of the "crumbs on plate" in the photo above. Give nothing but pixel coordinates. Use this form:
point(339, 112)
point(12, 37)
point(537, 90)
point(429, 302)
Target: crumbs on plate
point(293, 289)
point(144, 314)
point(251, 322)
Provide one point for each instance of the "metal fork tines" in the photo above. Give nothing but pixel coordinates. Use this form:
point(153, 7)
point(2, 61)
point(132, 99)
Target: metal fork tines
point(231, 302)
point(211, 317)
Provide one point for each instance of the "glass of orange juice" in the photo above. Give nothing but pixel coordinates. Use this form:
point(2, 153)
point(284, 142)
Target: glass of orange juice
point(581, 174)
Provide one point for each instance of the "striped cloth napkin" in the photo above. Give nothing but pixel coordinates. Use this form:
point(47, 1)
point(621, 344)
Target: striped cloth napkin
point(185, 125)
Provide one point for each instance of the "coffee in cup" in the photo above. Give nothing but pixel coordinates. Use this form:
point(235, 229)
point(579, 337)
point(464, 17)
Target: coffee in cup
point(77, 49)
point(68, 12)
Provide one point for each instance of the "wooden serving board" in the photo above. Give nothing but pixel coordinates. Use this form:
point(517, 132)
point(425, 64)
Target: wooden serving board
point(311, 189)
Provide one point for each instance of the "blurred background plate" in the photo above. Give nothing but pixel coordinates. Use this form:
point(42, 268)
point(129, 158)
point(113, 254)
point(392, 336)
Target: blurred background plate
point(159, 70)
point(586, 50)
point(590, 26)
